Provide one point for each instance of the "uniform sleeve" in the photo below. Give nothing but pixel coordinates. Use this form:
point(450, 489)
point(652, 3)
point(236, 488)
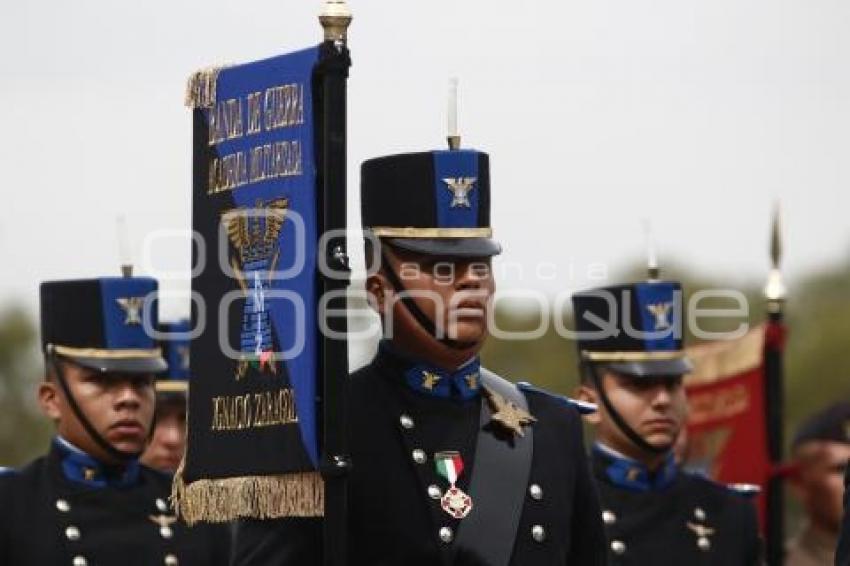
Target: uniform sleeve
point(754, 548)
point(222, 544)
point(5, 512)
point(842, 555)
point(589, 545)
point(278, 542)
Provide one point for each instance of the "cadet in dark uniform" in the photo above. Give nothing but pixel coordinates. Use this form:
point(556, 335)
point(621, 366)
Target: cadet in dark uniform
point(820, 450)
point(632, 364)
point(451, 463)
point(167, 444)
point(168, 440)
point(89, 501)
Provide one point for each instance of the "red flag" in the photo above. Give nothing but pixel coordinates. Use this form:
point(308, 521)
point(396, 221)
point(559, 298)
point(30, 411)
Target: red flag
point(727, 431)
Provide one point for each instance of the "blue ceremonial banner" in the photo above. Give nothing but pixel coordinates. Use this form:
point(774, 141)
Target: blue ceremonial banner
point(253, 449)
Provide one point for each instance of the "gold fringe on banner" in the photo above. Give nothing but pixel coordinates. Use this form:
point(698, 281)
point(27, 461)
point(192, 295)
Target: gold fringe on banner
point(259, 497)
point(200, 88)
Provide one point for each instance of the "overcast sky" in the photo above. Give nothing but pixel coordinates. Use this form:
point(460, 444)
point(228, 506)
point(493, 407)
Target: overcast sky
point(695, 115)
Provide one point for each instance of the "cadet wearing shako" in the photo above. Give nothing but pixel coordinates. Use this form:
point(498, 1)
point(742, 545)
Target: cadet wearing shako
point(168, 440)
point(819, 451)
point(632, 365)
point(89, 501)
point(452, 464)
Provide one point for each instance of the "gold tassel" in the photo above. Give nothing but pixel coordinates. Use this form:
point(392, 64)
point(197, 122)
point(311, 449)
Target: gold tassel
point(260, 497)
point(200, 88)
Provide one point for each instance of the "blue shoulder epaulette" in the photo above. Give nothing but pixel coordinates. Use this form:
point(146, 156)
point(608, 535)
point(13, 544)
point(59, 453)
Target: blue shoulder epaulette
point(746, 490)
point(583, 407)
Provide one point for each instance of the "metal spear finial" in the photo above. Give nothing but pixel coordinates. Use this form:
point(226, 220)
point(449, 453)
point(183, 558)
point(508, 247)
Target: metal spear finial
point(775, 290)
point(452, 134)
point(124, 255)
point(652, 269)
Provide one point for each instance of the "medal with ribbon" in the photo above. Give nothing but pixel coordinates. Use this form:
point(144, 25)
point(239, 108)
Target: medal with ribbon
point(454, 502)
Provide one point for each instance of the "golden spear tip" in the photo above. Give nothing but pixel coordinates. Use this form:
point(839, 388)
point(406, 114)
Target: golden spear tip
point(775, 290)
point(776, 237)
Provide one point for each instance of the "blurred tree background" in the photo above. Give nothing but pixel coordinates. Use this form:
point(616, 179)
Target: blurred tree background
point(24, 431)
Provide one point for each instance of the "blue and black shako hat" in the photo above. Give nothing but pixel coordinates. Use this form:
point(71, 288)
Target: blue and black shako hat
point(433, 202)
point(102, 323)
point(634, 329)
point(175, 380)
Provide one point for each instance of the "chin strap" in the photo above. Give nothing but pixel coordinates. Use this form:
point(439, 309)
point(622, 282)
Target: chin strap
point(416, 312)
point(636, 439)
point(75, 407)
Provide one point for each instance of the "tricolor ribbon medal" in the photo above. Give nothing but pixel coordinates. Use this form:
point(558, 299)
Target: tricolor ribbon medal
point(454, 502)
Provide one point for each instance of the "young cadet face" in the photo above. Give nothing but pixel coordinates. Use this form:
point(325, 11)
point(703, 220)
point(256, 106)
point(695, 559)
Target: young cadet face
point(819, 481)
point(454, 293)
point(168, 441)
point(654, 407)
point(119, 406)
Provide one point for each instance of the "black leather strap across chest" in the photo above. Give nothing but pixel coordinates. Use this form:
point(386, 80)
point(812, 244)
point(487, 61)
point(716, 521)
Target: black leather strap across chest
point(499, 482)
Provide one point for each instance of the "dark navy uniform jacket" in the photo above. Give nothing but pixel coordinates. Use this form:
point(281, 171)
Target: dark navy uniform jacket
point(842, 555)
point(67, 509)
point(395, 518)
point(672, 517)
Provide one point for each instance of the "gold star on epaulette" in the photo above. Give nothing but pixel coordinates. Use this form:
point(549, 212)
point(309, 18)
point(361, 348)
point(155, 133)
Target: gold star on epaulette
point(507, 415)
point(430, 380)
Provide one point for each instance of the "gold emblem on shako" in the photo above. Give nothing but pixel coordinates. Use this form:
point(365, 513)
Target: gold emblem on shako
point(460, 188)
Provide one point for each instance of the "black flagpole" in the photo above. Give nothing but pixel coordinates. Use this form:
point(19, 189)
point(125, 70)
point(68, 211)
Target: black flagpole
point(334, 62)
point(774, 398)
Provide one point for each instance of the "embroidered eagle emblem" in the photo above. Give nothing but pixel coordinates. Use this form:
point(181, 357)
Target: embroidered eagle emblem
point(429, 380)
point(132, 309)
point(163, 521)
point(460, 188)
point(702, 533)
point(661, 312)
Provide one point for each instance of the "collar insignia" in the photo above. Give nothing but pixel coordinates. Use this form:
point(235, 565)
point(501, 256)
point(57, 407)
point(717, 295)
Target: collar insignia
point(429, 380)
point(661, 312)
point(472, 380)
point(132, 309)
point(507, 415)
point(460, 188)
